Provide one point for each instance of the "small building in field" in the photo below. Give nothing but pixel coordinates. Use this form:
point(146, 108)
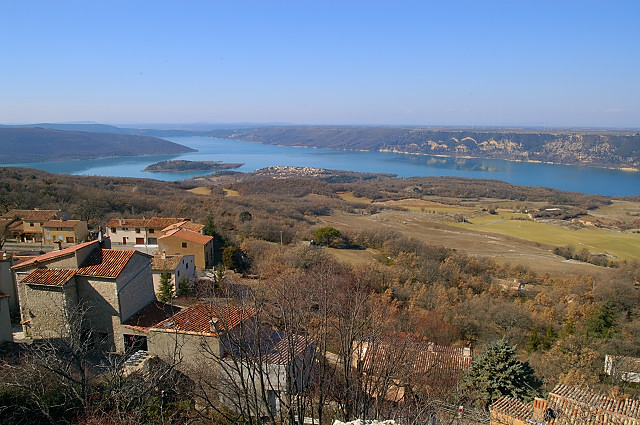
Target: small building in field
point(187, 242)
point(622, 368)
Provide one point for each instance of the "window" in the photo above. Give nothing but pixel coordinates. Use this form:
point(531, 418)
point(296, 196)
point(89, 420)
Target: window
point(113, 230)
point(151, 231)
point(178, 273)
point(186, 266)
point(184, 244)
point(30, 224)
point(137, 230)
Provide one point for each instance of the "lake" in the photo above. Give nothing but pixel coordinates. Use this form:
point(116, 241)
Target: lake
point(255, 156)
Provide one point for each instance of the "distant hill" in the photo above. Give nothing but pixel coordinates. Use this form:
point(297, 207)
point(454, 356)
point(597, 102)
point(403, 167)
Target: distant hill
point(616, 149)
point(24, 145)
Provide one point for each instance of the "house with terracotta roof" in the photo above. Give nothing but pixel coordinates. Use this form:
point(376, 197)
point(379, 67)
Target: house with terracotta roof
point(109, 285)
point(65, 231)
point(394, 366)
point(143, 231)
point(187, 242)
point(227, 346)
point(31, 221)
point(127, 231)
point(177, 265)
point(567, 405)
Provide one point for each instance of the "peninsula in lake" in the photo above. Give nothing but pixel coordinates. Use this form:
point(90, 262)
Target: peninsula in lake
point(182, 166)
point(33, 144)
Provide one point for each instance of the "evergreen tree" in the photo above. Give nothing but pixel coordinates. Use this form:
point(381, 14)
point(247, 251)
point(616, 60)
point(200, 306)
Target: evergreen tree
point(602, 320)
point(183, 288)
point(497, 372)
point(209, 226)
point(165, 289)
point(534, 340)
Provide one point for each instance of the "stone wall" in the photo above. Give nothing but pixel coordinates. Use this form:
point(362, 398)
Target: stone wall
point(135, 286)
point(48, 308)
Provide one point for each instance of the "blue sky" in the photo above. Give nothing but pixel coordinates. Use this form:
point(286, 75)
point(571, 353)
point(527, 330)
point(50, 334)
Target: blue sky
point(477, 63)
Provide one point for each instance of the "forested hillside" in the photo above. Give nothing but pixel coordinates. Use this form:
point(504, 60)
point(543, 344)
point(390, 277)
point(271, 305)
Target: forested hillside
point(22, 145)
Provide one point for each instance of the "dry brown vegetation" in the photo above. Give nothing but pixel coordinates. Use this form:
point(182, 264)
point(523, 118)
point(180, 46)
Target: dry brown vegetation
point(431, 279)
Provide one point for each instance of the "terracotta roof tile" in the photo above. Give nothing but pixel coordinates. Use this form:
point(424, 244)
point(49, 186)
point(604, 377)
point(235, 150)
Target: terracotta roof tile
point(198, 318)
point(162, 222)
point(127, 222)
point(54, 254)
point(53, 277)
point(512, 407)
point(61, 223)
point(169, 263)
point(31, 215)
point(188, 235)
point(105, 262)
point(150, 315)
point(189, 225)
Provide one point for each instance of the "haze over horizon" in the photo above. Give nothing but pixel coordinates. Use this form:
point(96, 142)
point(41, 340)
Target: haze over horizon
point(462, 63)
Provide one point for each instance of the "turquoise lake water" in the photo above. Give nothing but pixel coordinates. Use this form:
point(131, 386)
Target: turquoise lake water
point(256, 156)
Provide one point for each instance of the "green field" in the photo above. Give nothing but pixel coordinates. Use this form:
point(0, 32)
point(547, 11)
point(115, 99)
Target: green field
point(621, 245)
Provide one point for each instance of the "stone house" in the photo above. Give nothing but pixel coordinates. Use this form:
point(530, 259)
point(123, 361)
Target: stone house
point(227, 346)
point(567, 405)
point(177, 265)
point(65, 231)
point(30, 228)
point(394, 366)
point(187, 242)
point(109, 286)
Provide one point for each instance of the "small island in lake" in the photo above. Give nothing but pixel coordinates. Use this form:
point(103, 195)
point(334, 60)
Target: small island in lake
point(181, 166)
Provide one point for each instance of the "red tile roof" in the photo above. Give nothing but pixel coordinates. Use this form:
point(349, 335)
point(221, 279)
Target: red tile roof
point(127, 222)
point(568, 406)
point(512, 408)
point(150, 315)
point(106, 262)
point(188, 235)
point(198, 318)
point(419, 359)
point(162, 222)
point(61, 223)
point(189, 225)
point(31, 215)
point(53, 277)
point(170, 263)
point(54, 254)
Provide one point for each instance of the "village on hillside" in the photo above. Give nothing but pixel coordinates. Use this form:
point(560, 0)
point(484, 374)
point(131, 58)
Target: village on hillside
point(147, 294)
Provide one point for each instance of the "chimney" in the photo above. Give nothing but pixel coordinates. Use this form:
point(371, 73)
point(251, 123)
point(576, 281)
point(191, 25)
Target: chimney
point(213, 324)
point(540, 409)
point(466, 352)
